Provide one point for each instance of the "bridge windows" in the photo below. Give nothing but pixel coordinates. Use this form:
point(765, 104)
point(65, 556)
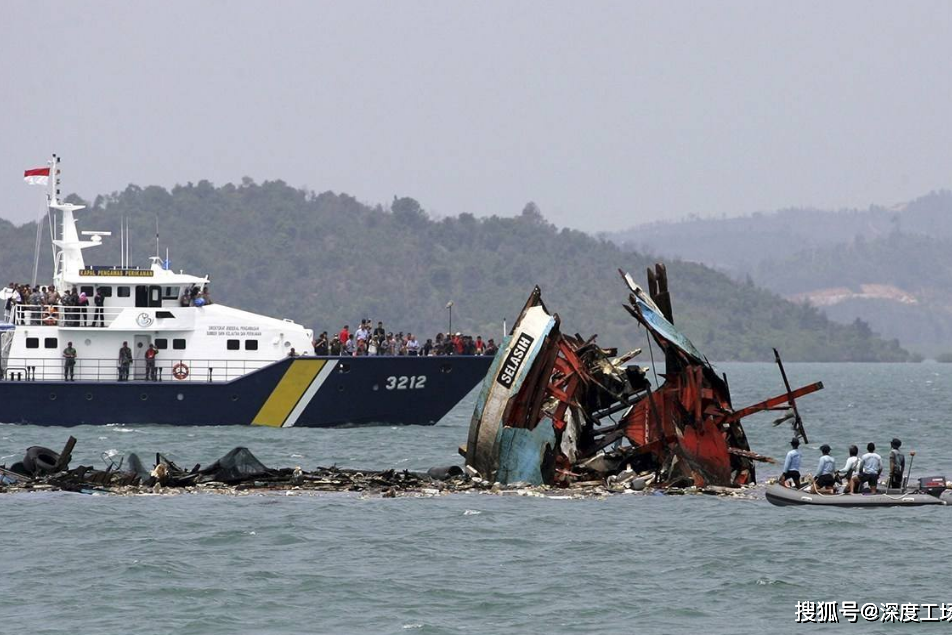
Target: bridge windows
point(161, 343)
point(123, 292)
point(50, 342)
point(32, 342)
point(178, 344)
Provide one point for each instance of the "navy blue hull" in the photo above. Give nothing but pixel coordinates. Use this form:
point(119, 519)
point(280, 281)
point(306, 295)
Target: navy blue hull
point(306, 391)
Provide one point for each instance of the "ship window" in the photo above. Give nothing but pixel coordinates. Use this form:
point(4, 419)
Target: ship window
point(233, 345)
point(32, 342)
point(178, 344)
point(87, 290)
point(106, 292)
point(161, 343)
point(50, 342)
point(251, 345)
point(123, 292)
point(170, 293)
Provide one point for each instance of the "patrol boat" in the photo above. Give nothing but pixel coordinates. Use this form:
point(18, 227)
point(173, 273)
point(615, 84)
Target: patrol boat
point(213, 364)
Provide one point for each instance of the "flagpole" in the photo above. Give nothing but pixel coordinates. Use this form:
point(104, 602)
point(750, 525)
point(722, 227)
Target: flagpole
point(36, 248)
point(49, 211)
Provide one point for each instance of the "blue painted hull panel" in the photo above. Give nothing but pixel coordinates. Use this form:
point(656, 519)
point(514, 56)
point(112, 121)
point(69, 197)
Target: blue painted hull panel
point(355, 391)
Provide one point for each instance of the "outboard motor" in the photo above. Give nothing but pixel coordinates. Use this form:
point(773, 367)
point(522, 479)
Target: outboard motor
point(932, 485)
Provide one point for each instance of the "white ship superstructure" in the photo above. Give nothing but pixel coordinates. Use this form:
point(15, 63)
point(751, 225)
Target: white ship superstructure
point(195, 339)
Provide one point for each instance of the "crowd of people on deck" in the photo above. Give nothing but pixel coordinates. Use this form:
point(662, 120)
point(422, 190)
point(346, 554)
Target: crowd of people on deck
point(377, 340)
point(45, 305)
point(858, 471)
point(42, 305)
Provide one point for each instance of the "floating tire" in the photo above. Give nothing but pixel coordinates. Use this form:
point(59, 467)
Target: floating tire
point(40, 460)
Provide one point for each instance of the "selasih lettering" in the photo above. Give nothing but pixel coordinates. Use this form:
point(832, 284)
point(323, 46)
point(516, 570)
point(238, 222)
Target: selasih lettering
point(514, 360)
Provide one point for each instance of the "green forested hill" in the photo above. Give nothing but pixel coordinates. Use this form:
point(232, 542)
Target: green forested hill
point(326, 259)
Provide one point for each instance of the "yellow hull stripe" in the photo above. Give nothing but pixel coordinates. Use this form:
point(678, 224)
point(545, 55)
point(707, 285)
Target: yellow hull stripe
point(292, 386)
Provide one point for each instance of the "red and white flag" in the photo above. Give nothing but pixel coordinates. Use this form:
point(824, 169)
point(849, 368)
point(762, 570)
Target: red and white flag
point(37, 176)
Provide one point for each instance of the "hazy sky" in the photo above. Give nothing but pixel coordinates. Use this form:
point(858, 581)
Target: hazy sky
point(605, 114)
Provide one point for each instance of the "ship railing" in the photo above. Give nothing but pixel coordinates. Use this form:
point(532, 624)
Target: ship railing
point(64, 316)
point(167, 369)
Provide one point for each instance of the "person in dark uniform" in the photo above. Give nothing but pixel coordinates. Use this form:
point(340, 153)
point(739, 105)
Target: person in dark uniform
point(125, 360)
point(897, 464)
point(69, 363)
point(98, 300)
point(320, 344)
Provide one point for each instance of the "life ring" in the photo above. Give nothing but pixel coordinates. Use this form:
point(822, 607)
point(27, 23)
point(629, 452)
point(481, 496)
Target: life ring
point(180, 371)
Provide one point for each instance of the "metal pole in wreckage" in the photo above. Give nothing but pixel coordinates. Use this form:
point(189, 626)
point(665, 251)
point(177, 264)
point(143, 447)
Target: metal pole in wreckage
point(798, 422)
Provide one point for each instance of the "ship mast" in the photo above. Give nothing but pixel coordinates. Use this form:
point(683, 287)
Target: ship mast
point(68, 249)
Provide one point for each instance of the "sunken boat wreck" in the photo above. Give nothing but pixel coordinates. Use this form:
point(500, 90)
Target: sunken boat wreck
point(547, 411)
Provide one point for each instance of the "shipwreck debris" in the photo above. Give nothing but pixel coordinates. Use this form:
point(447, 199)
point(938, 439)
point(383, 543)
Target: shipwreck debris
point(240, 473)
point(544, 415)
point(237, 471)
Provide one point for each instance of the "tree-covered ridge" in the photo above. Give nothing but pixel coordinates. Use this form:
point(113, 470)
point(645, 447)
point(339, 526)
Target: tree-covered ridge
point(916, 267)
point(327, 259)
point(918, 263)
point(740, 244)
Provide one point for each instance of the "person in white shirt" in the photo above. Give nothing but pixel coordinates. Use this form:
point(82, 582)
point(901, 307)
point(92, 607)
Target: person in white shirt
point(850, 468)
point(870, 467)
point(791, 464)
point(825, 476)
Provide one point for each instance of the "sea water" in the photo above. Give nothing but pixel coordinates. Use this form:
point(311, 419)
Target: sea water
point(479, 563)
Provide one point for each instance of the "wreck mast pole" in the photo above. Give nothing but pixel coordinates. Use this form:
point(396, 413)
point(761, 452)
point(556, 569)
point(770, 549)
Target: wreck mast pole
point(798, 422)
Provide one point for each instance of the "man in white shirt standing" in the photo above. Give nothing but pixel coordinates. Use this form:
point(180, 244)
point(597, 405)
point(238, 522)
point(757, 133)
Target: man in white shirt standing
point(363, 333)
point(413, 345)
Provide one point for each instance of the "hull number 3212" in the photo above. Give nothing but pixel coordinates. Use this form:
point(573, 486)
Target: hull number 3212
point(405, 382)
